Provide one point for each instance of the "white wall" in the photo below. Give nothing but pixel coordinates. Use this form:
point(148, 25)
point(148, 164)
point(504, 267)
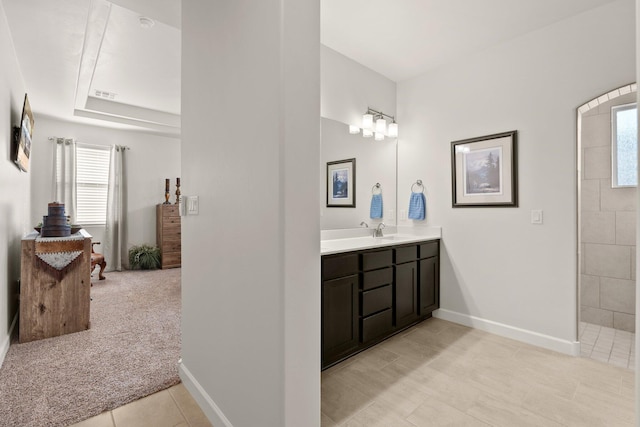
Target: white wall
point(150, 160)
point(347, 88)
point(14, 185)
point(250, 146)
point(497, 266)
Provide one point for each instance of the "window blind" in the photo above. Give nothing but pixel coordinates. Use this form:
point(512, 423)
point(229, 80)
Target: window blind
point(92, 181)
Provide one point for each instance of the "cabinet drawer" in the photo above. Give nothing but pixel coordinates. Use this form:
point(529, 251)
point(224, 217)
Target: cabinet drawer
point(428, 250)
point(171, 259)
point(378, 259)
point(171, 245)
point(339, 266)
point(377, 300)
point(169, 210)
point(376, 278)
point(376, 325)
point(406, 254)
point(171, 220)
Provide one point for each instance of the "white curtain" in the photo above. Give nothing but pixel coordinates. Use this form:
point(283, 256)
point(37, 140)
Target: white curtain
point(64, 175)
point(115, 240)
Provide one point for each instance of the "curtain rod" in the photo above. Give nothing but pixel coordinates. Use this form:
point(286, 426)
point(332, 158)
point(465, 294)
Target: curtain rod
point(53, 138)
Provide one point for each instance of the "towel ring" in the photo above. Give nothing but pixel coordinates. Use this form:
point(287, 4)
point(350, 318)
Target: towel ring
point(378, 187)
point(419, 184)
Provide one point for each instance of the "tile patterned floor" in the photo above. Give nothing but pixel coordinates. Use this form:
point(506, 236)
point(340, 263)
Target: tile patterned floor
point(173, 407)
point(439, 373)
point(608, 345)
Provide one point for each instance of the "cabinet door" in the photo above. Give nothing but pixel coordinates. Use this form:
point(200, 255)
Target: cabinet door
point(339, 318)
point(406, 293)
point(429, 285)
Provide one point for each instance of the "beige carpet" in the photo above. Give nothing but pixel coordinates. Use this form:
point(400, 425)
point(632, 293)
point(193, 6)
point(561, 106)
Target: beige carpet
point(131, 351)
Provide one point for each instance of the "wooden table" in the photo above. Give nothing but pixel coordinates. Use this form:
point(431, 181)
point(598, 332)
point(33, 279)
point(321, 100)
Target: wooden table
point(50, 306)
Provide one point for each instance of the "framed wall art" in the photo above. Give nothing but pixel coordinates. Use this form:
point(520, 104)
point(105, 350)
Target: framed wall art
point(485, 171)
point(341, 184)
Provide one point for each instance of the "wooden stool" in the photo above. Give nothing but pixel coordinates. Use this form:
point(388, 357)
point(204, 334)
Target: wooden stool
point(97, 259)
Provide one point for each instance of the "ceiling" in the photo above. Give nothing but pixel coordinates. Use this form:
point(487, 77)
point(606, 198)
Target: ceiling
point(404, 38)
point(92, 61)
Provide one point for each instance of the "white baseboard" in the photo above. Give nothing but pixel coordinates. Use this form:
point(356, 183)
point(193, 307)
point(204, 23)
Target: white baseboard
point(4, 348)
point(208, 406)
point(534, 338)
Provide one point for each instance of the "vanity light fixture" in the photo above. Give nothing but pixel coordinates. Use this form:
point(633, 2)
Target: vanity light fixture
point(375, 123)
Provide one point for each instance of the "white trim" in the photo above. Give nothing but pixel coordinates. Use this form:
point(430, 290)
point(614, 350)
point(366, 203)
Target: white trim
point(208, 406)
point(534, 338)
point(4, 348)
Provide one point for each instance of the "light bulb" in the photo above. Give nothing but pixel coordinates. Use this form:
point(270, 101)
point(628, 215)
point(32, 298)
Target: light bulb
point(367, 133)
point(392, 130)
point(367, 121)
point(354, 129)
point(379, 136)
point(381, 125)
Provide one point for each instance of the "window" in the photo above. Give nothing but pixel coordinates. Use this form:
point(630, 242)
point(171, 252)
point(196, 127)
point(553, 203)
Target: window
point(624, 144)
point(92, 181)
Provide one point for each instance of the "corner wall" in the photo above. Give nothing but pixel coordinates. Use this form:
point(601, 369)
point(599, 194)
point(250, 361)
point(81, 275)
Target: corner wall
point(347, 88)
point(14, 185)
point(150, 160)
point(251, 258)
point(498, 270)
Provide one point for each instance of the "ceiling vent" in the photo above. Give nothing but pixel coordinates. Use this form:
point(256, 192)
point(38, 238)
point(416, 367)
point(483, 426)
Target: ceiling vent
point(104, 94)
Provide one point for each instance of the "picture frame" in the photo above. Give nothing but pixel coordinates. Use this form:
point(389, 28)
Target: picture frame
point(341, 183)
point(484, 171)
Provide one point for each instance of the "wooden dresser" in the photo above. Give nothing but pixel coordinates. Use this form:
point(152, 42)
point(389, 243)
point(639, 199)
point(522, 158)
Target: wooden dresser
point(168, 236)
point(50, 305)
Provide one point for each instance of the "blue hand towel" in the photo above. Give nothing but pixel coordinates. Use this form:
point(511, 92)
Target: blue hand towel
point(417, 206)
point(376, 206)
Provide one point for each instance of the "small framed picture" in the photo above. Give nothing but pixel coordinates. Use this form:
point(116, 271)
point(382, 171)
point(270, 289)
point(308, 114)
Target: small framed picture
point(341, 184)
point(485, 171)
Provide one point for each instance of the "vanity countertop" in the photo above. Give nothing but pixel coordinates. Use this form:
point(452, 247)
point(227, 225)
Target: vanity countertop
point(339, 245)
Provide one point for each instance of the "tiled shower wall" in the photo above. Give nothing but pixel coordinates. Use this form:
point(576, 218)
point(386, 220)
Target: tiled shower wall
point(608, 226)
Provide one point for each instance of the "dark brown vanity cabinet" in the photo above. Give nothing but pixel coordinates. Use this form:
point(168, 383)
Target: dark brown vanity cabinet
point(376, 297)
point(429, 282)
point(369, 295)
point(340, 306)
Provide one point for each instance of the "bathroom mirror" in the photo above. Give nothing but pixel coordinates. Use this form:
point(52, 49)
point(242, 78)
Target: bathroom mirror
point(375, 163)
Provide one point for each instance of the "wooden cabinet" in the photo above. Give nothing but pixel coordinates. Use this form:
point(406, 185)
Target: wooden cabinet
point(370, 295)
point(339, 307)
point(339, 318)
point(376, 296)
point(429, 283)
point(406, 293)
point(168, 235)
point(50, 304)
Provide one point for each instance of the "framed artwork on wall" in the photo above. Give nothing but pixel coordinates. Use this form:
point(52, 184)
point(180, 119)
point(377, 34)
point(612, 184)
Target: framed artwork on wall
point(341, 184)
point(484, 171)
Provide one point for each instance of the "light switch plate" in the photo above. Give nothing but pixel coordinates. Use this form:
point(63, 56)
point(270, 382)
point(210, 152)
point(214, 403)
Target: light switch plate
point(193, 205)
point(536, 216)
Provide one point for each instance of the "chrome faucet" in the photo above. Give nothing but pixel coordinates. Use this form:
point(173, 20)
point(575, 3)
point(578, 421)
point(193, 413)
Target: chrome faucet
point(365, 224)
point(378, 231)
